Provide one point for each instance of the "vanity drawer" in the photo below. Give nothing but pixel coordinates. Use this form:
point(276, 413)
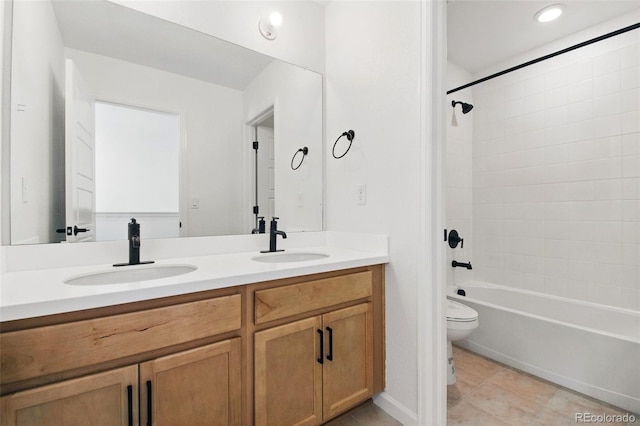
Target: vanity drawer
point(281, 302)
point(52, 349)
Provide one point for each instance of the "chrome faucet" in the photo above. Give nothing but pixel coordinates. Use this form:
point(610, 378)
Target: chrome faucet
point(273, 234)
point(134, 245)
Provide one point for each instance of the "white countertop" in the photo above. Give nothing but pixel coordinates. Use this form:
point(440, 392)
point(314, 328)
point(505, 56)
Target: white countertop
point(32, 293)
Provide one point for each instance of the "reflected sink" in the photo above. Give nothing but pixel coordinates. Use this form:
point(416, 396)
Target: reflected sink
point(289, 257)
point(135, 274)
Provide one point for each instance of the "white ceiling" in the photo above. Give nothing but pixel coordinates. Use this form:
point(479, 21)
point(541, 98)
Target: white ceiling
point(483, 33)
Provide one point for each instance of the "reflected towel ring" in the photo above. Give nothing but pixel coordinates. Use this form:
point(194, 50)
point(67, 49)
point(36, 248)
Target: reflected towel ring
point(350, 134)
point(304, 152)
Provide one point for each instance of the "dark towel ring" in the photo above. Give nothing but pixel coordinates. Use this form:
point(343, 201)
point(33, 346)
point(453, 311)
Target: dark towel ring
point(350, 134)
point(304, 152)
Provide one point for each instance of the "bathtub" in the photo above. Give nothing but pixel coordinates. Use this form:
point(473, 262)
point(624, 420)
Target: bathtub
point(590, 348)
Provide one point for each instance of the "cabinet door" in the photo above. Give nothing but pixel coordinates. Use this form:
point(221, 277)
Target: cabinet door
point(348, 366)
point(196, 387)
point(108, 399)
point(288, 374)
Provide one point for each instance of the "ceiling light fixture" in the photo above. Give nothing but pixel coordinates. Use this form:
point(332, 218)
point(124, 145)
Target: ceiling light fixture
point(268, 27)
point(549, 13)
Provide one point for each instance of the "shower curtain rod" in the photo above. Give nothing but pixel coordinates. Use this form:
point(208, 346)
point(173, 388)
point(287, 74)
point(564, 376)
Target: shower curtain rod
point(551, 55)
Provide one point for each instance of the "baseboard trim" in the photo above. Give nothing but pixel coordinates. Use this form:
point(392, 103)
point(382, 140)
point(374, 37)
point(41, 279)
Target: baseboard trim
point(396, 409)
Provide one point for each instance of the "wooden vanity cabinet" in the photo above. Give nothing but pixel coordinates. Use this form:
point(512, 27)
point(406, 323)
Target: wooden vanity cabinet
point(186, 370)
point(108, 399)
point(321, 363)
point(199, 386)
point(297, 350)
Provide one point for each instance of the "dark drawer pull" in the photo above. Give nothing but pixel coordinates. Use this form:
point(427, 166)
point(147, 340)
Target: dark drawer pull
point(321, 358)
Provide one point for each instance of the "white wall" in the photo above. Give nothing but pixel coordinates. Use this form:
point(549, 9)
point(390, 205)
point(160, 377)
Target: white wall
point(37, 133)
point(556, 159)
point(296, 95)
point(459, 163)
point(301, 35)
point(373, 87)
point(211, 126)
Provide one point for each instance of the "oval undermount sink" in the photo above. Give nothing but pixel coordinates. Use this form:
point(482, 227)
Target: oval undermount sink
point(134, 274)
point(289, 257)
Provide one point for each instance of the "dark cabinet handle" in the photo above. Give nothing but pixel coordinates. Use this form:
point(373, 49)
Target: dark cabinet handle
point(130, 404)
point(321, 358)
point(149, 404)
point(330, 355)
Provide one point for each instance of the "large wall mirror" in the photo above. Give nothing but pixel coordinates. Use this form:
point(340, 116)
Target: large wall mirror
point(118, 114)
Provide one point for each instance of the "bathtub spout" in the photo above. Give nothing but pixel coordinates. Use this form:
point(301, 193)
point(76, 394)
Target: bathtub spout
point(460, 264)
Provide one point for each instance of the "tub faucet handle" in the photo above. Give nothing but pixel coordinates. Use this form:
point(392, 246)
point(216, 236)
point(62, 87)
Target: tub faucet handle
point(454, 238)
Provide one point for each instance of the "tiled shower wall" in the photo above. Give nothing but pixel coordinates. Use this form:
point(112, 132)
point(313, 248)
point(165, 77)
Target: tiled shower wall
point(459, 148)
point(556, 175)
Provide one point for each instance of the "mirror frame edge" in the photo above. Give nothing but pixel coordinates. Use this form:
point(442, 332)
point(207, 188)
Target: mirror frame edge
point(5, 125)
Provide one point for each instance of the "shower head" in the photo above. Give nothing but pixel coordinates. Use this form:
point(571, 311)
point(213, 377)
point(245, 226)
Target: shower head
point(465, 106)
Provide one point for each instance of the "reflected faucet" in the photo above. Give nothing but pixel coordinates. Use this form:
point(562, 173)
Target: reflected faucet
point(134, 245)
point(273, 234)
point(260, 228)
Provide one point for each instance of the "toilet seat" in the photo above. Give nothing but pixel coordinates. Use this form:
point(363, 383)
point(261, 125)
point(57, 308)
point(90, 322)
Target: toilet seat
point(457, 312)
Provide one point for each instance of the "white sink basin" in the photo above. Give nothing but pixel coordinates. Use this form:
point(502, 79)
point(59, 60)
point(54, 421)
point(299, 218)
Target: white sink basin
point(289, 257)
point(128, 274)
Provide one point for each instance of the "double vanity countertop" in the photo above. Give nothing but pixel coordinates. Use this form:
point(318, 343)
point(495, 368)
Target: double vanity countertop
point(39, 292)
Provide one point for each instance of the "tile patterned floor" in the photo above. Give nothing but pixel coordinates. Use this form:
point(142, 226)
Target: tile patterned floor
point(367, 414)
point(488, 393)
point(492, 394)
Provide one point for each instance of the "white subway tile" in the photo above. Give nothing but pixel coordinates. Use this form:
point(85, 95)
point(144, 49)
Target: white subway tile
point(608, 189)
point(580, 190)
point(631, 233)
point(580, 91)
point(631, 122)
point(607, 232)
point(630, 277)
point(631, 144)
point(607, 83)
point(607, 273)
point(631, 189)
point(607, 294)
point(582, 251)
point(580, 71)
point(631, 210)
point(610, 125)
point(580, 111)
point(607, 253)
point(630, 298)
point(631, 166)
point(630, 100)
point(629, 78)
point(607, 105)
point(630, 56)
point(607, 63)
point(580, 230)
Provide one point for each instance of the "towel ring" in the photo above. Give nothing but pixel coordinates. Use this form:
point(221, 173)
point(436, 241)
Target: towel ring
point(350, 134)
point(304, 152)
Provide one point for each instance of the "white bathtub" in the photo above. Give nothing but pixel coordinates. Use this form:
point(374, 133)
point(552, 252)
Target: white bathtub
point(593, 349)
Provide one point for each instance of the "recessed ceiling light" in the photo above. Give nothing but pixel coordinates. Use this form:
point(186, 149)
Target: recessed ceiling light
point(549, 13)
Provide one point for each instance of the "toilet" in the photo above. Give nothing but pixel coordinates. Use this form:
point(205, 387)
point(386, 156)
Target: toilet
point(461, 322)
